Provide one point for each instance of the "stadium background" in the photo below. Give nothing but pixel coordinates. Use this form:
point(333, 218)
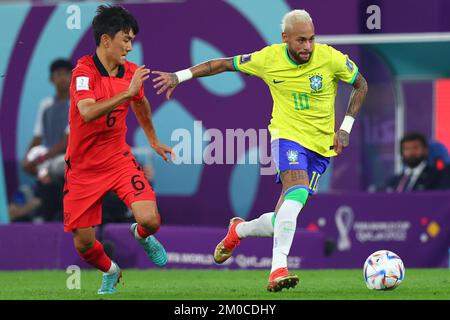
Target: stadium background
point(342, 225)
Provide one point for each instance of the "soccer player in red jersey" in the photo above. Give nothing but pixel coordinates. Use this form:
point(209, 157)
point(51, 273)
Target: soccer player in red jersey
point(98, 158)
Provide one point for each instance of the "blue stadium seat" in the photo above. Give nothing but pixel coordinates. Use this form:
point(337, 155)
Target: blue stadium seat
point(438, 156)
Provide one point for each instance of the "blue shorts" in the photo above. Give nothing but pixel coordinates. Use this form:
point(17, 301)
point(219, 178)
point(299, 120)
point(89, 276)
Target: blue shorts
point(290, 155)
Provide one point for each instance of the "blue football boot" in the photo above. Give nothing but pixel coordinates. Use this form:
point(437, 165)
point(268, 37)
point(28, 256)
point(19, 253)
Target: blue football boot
point(109, 282)
point(154, 249)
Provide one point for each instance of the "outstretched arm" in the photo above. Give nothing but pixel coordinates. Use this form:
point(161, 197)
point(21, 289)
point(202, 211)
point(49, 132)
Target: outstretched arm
point(342, 137)
point(168, 81)
point(144, 116)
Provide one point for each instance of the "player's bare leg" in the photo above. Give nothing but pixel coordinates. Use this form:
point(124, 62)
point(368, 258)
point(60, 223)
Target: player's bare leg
point(146, 215)
point(91, 251)
point(295, 192)
point(84, 239)
point(147, 223)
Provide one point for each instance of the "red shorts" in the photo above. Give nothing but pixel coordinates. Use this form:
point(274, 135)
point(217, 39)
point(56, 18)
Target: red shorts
point(84, 191)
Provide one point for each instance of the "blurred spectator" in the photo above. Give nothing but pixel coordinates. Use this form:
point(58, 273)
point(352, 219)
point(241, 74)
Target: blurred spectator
point(45, 155)
point(417, 174)
point(23, 204)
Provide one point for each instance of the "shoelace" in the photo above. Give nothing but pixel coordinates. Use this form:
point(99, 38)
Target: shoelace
point(155, 248)
point(231, 241)
point(152, 245)
point(108, 281)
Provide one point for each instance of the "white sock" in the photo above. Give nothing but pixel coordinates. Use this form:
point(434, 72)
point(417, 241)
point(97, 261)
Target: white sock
point(137, 236)
point(259, 227)
point(284, 231)
point(113, 269)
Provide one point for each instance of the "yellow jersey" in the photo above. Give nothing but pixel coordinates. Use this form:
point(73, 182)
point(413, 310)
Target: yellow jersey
point(303, 95)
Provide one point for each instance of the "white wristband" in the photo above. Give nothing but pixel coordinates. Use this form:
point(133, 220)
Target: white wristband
point(183, 75)
point(347, 124)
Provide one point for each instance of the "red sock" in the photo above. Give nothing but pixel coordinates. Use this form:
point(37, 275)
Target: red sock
point(97, 257)
point(142, 232)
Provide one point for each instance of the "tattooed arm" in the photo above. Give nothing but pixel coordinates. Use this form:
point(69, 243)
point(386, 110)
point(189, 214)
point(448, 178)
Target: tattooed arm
point(342, 136)
point(168, 81)
point(357, 96)
point(212, 67)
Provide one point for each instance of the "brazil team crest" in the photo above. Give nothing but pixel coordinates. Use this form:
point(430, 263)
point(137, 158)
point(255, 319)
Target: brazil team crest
point(316, 82)
point(292, 156)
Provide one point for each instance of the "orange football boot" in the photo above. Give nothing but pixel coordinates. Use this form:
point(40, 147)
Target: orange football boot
point(225, 248)
point(280, 279)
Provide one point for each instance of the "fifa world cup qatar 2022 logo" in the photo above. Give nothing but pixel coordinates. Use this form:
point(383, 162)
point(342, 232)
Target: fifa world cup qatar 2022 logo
point(367, 231)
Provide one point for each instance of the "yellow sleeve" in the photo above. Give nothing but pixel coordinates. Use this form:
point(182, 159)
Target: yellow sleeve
point(252, 63)
point(344, 68)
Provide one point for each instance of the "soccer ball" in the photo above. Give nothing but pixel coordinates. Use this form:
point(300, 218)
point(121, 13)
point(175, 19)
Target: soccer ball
point(383, 270)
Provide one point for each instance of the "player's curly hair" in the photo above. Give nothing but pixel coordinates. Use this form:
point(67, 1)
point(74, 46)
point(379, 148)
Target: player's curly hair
point(112, 19)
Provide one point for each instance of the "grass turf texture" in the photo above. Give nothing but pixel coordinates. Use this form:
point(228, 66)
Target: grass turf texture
point(222, 285)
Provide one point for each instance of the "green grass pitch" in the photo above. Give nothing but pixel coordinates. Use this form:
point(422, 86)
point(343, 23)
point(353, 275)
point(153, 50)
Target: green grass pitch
point(172, 284)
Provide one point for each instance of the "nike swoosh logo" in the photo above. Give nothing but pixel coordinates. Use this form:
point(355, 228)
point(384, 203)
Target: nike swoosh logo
point(137, 194)
point(276, 82)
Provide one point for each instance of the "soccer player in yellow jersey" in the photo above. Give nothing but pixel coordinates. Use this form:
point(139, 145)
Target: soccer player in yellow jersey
point(303, 78)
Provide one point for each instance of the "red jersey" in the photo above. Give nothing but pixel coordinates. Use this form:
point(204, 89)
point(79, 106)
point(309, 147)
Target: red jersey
point(93, 146)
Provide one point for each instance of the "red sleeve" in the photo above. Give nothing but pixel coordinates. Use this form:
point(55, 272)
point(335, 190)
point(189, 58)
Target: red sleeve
point(82, 85)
